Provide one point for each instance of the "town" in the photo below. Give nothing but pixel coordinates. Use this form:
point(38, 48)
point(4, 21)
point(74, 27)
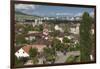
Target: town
point(47, 40)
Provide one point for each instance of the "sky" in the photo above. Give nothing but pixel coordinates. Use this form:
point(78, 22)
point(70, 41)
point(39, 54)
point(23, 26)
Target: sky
point(48, 10)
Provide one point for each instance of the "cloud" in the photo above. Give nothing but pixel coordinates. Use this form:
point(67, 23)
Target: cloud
point(24, 6)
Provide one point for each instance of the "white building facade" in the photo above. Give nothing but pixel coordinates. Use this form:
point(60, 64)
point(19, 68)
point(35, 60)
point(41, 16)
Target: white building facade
point(21, 53)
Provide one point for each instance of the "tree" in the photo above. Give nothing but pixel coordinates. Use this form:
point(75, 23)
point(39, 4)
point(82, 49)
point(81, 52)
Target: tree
point(66, 40)
point(65, 47)
point(18, 62)
point(49, 54)
point(66, 28)
point(38, 28)
point(77, 47)
point(18, 27)
point(35, 60)
point(33, 52)
point(20, 40)
point(28, 28)
point(85, 37)
point(72, 59)
point(56, 44)
point(55, 33)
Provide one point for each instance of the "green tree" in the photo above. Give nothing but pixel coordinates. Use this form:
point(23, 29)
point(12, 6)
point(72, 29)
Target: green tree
point(85, 37)
point(35, 60)
point(66, 28)
point(27, 28)
point(55, 33)
point(56, 44)
point(20, 40)
point(73, 59)
point(33, 52)
point(77, 47)
point(38, 28)
point(18, 62)
point(49, 54)
point(20, 28)
point(66, 40)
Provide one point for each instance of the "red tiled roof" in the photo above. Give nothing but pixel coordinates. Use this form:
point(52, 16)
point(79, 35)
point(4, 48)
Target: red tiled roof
point(39, 47)
point(28, 47)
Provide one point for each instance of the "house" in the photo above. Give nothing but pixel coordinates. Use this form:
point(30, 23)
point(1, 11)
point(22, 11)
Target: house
point(78, 18)
point(31, 35)
point(74, 28)
point(60, 38)
point(24, 51)
point(45, 32)
point(39, 44)
point(37, 21)
point(58, 28)
point(21, 53)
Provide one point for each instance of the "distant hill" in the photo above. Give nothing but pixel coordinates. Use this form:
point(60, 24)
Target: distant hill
point(20, 16)
point(20, 13)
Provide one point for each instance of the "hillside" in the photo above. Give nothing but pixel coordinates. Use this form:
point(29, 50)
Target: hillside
point(19, 16)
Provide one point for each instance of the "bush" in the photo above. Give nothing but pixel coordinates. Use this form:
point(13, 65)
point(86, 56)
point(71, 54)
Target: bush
point(18, 62)
point(75, 47)
point(72, 59)
point(35, 60)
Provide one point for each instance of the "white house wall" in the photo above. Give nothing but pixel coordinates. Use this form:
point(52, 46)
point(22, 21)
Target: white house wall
point(21, 53)
point(75, 30)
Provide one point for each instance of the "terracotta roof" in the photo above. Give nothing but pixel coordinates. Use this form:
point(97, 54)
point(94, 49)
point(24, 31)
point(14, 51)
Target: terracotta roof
point(28, 47)
point(39, 47)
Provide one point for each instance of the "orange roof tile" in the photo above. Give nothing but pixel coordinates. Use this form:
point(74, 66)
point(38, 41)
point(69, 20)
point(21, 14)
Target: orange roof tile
point(28, 47)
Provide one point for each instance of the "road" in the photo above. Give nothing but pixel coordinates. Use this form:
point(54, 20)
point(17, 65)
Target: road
point(62, 58)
